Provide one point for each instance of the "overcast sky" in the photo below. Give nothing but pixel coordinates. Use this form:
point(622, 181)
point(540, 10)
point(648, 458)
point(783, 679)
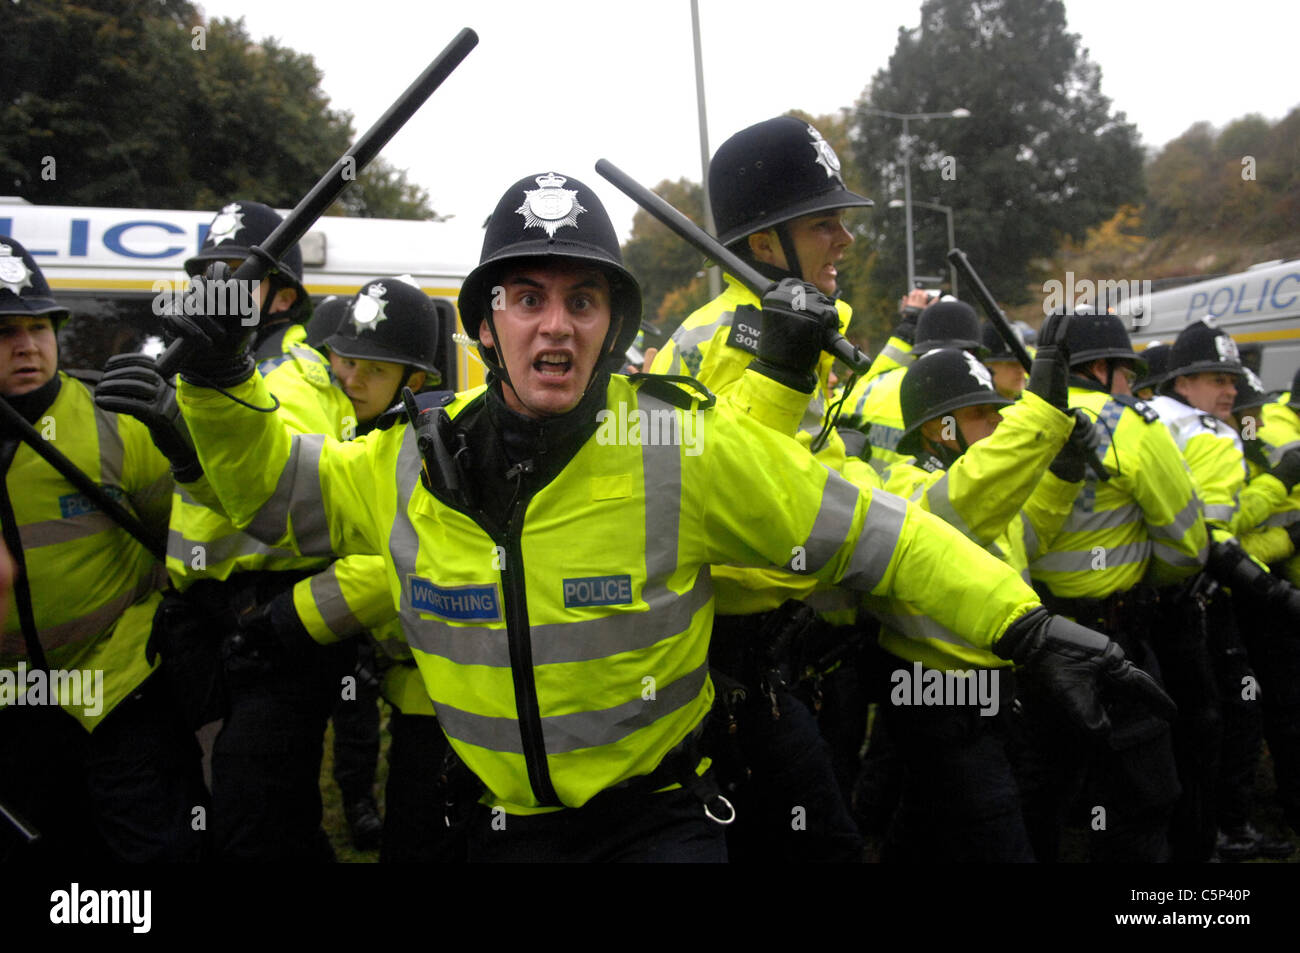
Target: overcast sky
point(558, 84)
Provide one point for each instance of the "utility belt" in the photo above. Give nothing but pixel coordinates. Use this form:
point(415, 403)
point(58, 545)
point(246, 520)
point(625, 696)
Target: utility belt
point(460, 789)
point(190, 628)
point(1129, 616)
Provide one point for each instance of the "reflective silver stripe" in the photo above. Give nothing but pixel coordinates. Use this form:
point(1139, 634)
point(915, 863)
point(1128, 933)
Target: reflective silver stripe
point(53, 532)
point(297, 500)
point(588, 729)
point(661, 471)
point(1031, 538)
point(1275, 453)
point(814, 414)
point(1175, 557)
point(1106, 422)
point(1177, 528)
point(1222, 512)
point(1285, 518)
point(1095, 521)
point(894, 354)
point(923, 627)
point(578, 730)
point(403, 543)
point(462, 644)
point(333, 605)
point(941, 506)
point(1067, 560)
point(97, 620)
point(221, 549)
point(111, 449)
point(831, 527)
point(691, 338)
point(668, 615)
point(878, 542)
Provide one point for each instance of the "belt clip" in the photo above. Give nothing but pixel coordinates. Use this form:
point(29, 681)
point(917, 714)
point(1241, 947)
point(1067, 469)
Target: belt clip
point(731, 811)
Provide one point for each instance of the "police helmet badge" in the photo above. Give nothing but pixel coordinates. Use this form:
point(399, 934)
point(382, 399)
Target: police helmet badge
point(978, 370)
point(228, 223)
point(1227, 349)
point(826, 157)
point(550, 207)
point(370, 308)
point(14, 273)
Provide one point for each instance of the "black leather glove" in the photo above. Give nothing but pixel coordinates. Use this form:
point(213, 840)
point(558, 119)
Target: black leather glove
point(1071, 460)
point(797, 323)
point(1293, 530)
point(131, 385)
point(1288, 469)
point(219, 354)
point(1050, 370)
point(1074, 666)
point(1230, 566)
point(269, 633)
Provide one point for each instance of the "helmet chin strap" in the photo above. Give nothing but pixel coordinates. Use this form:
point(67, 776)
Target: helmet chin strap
point(791, 256)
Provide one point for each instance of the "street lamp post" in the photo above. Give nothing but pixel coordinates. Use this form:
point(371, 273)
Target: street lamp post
point(907, 172)
point(952, 241)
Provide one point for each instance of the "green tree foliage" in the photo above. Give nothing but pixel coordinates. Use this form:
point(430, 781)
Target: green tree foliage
point(142, 103)
point(1041, 158)
point(665, 265)
point(383, 191)
point(1243, 181)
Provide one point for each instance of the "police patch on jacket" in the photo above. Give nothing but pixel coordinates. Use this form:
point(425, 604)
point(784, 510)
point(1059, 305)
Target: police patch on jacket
point(455, 603)
point(598, 591)
point(746, 326)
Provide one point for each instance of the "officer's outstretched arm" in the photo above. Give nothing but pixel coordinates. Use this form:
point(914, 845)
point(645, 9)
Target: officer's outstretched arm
point(349, 597)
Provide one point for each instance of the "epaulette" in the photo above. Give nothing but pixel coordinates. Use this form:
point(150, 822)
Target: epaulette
point(1141, 406)
point(425, 400)
point(746, 327)
point(674, 389)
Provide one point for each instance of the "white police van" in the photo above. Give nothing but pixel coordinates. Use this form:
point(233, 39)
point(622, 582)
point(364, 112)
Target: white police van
point(1259, 307)
point(110, 265)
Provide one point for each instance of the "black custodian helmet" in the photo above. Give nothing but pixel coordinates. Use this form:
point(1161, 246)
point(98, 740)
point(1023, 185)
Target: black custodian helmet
point(237, 228)
point(325, 319)
point(389, 319)
point(1092, 337)
point(948, 323)
point(1201, 348)
point(938, 382)
point(998, 349)
point(23, 288)
point(1157, 359)
point(551, 215)
point(772, 172)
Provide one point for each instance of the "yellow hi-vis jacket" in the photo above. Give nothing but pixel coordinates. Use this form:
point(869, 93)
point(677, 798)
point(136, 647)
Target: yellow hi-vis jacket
point(1145, 518)
point(715, 345)
point(94, 588)
point(1279, 433)
point(1214, 454)
point(569, 652)
point(202, 542)
point(873, 406)
point(1000, 494)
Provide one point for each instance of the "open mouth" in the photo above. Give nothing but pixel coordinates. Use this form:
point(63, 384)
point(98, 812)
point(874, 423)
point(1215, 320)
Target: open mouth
point(553, 365)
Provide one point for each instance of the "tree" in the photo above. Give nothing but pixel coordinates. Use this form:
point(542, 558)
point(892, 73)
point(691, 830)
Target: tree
point(142, 103)
point(665, 265)
point(1041, 158)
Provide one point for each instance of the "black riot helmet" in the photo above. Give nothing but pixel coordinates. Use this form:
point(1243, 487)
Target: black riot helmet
point(1201, 348)
point(938, 382)
point(325, 319)
point(1250, 392)
point(770, 173)
point(949, 323)
point(1157, 360)
point(23, 288)
point(237, 228)
point(1090, 336)
point(389, 319)
point(544, 216)
point(996, 349)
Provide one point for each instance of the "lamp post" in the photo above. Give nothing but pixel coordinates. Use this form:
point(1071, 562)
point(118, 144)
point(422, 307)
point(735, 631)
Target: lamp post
point(907, 172)
point(952, 241)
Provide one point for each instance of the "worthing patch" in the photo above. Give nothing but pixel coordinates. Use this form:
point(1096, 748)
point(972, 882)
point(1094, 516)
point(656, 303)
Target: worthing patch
point(598, 591)
point(456, 603)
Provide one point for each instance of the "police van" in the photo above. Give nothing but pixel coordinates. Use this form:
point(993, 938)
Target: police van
point(1259, 307)
point(114, 268)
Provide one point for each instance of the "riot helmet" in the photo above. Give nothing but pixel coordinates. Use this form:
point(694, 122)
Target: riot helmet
point(23, 288)
point(1201, 348)
point(325, 319)
point(938, 382)
point(389, 319)
point(1157, 361)
point(949, 323)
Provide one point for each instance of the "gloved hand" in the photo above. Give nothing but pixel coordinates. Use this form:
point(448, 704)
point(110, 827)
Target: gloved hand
point(910, 307)
point(1288, 469)
point(269, 633)
point(1075, 666)
point(1232, 566)
point(131, 385)
point(1050, 370)
point(219, 355)
point(797, 322)
point(1071, 460)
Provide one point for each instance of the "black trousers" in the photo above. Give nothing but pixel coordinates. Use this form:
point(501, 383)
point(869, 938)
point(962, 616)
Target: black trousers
point(416, 829)
point(356, 730)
